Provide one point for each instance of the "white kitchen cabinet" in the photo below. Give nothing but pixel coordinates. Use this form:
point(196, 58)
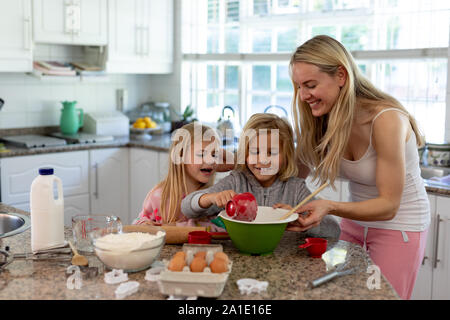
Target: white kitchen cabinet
point(140, 36)
point(17, 174)
point(76, 22)
point(74, 206)
point(441, 256)
point(147, 168)
point(433, 281)
point(423, 285)
point(15, 34)
point(108, 179)
point(163, 164)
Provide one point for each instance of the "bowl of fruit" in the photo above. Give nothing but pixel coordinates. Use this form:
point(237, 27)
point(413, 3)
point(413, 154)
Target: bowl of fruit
point(143, 127)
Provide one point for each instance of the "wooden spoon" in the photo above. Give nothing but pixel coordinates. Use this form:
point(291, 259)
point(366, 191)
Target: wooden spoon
point(78, 259)
point(288, 214)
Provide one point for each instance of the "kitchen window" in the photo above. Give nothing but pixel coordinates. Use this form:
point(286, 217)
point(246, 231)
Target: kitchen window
point(237, 52)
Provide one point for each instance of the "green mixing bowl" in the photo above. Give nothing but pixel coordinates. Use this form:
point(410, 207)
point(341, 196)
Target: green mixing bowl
point(260, 236)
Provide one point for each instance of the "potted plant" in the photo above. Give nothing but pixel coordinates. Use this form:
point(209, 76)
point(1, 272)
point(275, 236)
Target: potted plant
point(186, 117)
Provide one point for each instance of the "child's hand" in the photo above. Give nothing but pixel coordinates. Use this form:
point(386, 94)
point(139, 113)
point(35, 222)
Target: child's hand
point(149, 222)
point(220, 199)
point(282, 206)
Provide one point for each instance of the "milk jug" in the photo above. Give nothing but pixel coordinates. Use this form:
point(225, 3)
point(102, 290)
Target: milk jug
point(47, 213)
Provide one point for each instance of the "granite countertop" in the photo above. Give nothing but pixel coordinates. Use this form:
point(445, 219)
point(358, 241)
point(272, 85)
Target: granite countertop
point(288, 270)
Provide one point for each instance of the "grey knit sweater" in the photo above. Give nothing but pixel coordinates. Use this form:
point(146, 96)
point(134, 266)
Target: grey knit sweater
point(289, 192)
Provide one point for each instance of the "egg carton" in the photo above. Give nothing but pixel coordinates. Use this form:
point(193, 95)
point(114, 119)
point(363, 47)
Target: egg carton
point(188, 283)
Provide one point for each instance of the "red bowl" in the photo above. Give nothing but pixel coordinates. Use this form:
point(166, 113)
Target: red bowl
point(199, 237)
point(315, 246)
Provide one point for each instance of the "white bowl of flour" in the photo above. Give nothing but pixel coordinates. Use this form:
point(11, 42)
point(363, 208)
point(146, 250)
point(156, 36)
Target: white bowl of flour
point(130, 251)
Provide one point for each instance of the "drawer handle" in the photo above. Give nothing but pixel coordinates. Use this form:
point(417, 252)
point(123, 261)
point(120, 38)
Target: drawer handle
point(96, 181)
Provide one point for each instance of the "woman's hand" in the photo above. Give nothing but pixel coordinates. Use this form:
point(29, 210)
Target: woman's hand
point(220, 199)
point(313, 213)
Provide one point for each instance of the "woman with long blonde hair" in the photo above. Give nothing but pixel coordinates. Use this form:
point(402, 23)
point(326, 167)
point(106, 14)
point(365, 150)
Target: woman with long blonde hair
point(348, 128)
point(193, 161)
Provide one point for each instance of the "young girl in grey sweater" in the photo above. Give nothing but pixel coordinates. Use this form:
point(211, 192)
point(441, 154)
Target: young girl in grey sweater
point(266, 168)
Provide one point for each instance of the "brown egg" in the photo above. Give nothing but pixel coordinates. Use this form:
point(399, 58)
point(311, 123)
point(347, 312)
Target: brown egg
point(180, 253)
point(221, 255)
point(177, 263)
point(201, 254)
point(218, 266)
point(198, 264)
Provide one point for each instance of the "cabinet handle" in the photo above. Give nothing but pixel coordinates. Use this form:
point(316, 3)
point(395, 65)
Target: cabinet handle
point(147, 41)
point(76, 21)
point(423, 260)
point(96, 181)
point(136, 41)
point(142, 41)
point(436, 247)
point(27, 33)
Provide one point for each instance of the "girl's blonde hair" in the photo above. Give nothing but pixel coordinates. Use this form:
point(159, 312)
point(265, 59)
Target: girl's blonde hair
point(269, 122)
point(174, 185)
point(322, 140)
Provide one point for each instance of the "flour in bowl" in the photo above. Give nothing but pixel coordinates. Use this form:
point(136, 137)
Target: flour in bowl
point(129, 241)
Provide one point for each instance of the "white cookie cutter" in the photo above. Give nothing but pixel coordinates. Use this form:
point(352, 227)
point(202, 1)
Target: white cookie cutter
point(247, 286)
point(174, 297)
point(127, 288)
point(74, 281)
point(116, 276)
point(152, 274)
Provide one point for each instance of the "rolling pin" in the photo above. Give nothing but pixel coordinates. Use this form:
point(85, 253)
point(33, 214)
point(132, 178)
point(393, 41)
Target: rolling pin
point(174, 234)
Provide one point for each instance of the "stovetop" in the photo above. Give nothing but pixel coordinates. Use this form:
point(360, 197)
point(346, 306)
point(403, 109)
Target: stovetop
point(83, 138)
point(34, 141)
point(31, 141)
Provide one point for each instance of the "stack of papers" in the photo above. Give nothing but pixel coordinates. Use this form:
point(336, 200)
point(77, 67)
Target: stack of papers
point(53, 68)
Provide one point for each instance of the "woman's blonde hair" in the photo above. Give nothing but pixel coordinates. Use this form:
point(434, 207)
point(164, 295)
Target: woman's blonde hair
point(268, 122)
point(322, 140)
point(174, 185)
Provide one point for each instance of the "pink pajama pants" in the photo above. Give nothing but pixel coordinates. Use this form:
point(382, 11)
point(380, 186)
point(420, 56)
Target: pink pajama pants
point(398, 256)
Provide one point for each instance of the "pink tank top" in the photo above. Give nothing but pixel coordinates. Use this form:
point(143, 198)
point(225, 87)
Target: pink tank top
point(414, 211)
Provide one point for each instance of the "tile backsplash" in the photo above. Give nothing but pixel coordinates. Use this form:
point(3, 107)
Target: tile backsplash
point(35, 102)
point(31, 102)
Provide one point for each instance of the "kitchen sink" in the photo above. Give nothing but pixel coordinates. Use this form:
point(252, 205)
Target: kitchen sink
point(430, 172)
point(13, 223)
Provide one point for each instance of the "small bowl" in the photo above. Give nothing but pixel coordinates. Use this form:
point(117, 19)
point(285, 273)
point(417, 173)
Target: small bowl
point(133, 260)
point(315, 246)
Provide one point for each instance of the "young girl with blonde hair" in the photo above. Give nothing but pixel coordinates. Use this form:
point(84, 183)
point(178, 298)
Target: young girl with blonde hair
point(193, 161)
point(347, 127)
point(266, 168)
